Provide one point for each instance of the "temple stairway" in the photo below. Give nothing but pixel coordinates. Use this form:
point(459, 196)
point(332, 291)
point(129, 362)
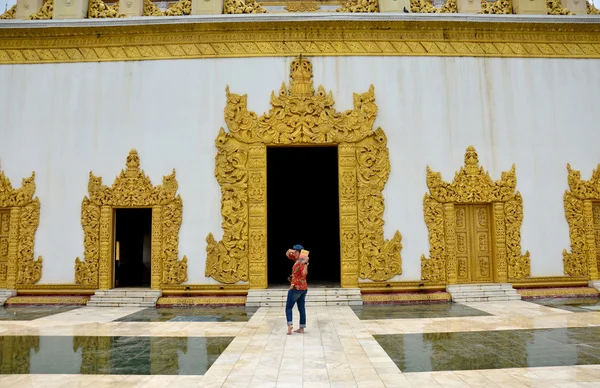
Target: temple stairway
point(488, 292)
point(315, 297)
point(5, 294)
point(124, 297)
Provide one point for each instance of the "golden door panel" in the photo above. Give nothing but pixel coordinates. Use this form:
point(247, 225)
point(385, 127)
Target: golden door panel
point(473, 243)
point(4, 229)
point(596, 219)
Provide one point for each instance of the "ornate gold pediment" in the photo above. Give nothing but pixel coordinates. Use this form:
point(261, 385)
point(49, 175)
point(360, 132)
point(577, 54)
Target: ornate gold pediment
point(20, 220)
point(301, 116)
point(579, 211)
point(131, 188)
point(473, 185)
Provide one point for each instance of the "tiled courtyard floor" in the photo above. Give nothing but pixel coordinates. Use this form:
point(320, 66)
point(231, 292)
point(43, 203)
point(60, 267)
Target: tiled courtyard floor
point(506, 344)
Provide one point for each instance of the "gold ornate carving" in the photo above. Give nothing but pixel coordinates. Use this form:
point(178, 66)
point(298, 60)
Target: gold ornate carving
point(425, 6)
point(578, 202)
point(243, 6)
point(45, 12)
point(406, 297)
point(555, 8)
point(20, 219)
point(473, 185)
point(10, 13)
point(47, 300)
point(150, 9)
point(229, 39)
point(301, 116)
point(100, 10)
point(182, 7)
point(497, 7)
point(201, 301)
point(132, 188)
point(564, 291)
point(359, 6)
point(301, 7)
point(591, 9)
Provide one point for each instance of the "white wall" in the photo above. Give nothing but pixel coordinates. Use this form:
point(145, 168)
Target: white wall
point(62, 120)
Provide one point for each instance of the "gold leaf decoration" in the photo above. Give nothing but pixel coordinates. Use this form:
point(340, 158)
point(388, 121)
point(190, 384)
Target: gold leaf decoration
point(132, 188)
point(150, 9)
point(555, 8)
point(498, 7)
point(426, 6)
point(579, 203)
point(98, 9)
point(20, 220)
point(301, 7)
point(591, 9)
point(10, 13)
point(241, 7)
point(182, 7)
point(45, 12)
point(299, 115)
point(473, 185)
point(359, 6)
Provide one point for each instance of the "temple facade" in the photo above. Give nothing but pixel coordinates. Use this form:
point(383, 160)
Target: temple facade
point(143, 152)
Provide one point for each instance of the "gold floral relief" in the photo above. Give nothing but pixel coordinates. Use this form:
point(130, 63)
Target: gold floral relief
point(133, 189)
point(578, 202)
point(9, 13)
point(473, 185)
point(20, 219)
point(301, 115)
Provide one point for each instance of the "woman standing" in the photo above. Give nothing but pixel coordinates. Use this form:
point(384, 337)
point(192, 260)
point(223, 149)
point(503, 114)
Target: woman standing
point(298, 288)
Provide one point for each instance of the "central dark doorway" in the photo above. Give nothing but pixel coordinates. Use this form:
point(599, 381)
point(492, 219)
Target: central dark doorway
point(133, 231)
point(303, 208)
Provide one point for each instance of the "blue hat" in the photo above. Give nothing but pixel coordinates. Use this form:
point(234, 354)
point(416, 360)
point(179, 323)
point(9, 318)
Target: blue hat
point(297, 247)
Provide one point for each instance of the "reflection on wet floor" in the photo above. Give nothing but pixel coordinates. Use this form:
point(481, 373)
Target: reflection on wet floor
point(191, 314)
point(576, 305)
point(29, 313)
point(493, 349)
point(110, 355)
point(432, 310)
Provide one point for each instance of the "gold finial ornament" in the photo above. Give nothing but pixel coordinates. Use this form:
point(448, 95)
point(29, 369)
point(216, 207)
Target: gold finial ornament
point(301, 74)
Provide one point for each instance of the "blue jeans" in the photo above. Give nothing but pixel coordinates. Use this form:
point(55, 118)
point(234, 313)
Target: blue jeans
point(293, 297)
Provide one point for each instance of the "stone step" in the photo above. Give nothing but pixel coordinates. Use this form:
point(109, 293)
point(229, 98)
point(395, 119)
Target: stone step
point(482, 292)
point(124, 298)
point(283, 293)
point(314, 297)
point(308, 304)
point(114, 304)
point(7, 293)
point(3, 300)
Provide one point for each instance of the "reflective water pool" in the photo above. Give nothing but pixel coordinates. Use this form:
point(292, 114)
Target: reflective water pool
point(191, 314)
point(110, 355)
point(493, 349)
point(28, 313)
point(578, 305)
point(432, 310)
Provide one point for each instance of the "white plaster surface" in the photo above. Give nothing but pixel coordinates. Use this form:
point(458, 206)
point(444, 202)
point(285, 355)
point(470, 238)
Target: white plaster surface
point(63, 120)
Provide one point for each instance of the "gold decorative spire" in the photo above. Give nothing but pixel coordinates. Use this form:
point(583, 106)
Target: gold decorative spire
point(301, 74)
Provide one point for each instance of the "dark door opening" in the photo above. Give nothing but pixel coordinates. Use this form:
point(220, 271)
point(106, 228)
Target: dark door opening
point(133, 231)
point(303, 208)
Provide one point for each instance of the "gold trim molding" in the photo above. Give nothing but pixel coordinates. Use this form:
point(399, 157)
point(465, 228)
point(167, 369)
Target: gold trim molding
point(353, 37)
point(22, 217)
point(407, 297)
point(473, 185)
point(201, 301)
point(47, 300)
point(564, 292)
point(578, 202)
point(299, 116)
point(131, 189)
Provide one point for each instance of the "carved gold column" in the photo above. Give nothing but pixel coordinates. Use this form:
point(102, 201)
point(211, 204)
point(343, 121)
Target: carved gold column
point(106, 246)
point(500, 240)
point(348, 214)
point(257, 209)
point(590, 242)
point(13, 248)
point(450, 227)
point(156, 271)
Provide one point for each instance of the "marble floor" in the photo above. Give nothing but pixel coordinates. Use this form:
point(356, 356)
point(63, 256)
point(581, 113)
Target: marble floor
point(549, 344)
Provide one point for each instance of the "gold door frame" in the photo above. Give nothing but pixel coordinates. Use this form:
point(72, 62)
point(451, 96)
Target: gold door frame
point(24, 218)
point(578, 201)
point(131, 189)
point(473, 185)
point(299, 116)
